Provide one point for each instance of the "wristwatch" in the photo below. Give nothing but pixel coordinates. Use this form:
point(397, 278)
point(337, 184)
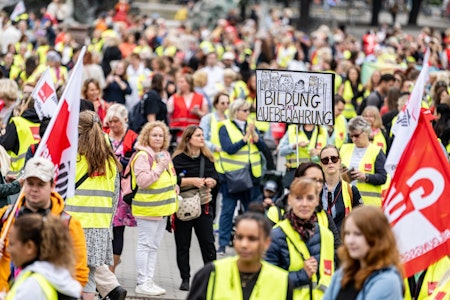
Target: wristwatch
point(367, 179)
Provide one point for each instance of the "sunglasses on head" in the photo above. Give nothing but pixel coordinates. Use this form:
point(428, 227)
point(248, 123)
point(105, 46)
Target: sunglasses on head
point(326, 160)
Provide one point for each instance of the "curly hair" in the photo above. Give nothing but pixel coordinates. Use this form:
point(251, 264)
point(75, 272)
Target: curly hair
point(93, 145)
point(383, 252)
point(185, 147)
point(144, 136)
point(51, 237)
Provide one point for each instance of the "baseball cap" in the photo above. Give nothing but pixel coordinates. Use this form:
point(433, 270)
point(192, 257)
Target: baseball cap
point(271, 186)
point(39, 167)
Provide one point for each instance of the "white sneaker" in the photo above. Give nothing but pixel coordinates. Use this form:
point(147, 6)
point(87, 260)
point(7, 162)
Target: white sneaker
point(154, 286)
point(148, 290)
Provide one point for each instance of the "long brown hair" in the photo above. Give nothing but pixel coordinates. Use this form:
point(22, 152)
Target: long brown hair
point(185, 147)
point(92, 144)
point(383, 251)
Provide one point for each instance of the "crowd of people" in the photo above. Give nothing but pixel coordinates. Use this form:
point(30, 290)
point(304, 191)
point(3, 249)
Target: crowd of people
point(176, 108)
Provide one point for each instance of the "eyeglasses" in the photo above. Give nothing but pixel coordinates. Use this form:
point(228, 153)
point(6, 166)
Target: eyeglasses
point(327, 160)
point(355, 135)
point(245, 110)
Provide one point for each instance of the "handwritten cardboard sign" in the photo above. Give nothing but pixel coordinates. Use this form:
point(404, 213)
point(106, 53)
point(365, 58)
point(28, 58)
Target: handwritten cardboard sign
point(295, 97)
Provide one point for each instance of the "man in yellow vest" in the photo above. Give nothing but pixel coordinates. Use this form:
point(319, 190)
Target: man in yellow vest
point(244, 276)
point(40, 197)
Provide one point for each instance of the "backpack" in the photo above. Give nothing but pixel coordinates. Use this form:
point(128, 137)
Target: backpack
point(126, 182)
point(137, 117)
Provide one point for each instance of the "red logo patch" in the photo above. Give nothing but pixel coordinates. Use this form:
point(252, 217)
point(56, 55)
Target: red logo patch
point(368, 167)
point(431, 287)
point(328, 267)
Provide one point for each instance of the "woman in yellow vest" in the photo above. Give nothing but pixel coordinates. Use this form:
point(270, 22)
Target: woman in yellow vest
point(378, 134)
point(211, 123)
point(365, 162)
point(369, 257)
point(306, 147)
point(240, 144)
point(155, 200)
point(245, 276)
point(420, 286)
point(442, 291)
point(313, 171)
point(338, 196)
point(352, 91)
point(43, 248)
point(301, 245)
point(96, 194)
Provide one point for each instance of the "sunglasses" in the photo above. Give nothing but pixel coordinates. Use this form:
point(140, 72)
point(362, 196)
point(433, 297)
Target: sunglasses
point(355, 135)
point(326, 160)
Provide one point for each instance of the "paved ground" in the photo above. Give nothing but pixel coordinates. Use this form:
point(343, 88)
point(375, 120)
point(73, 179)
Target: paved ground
point(167, 275)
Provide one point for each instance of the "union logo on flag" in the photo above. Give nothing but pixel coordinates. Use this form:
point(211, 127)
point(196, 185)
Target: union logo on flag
point(45, 92)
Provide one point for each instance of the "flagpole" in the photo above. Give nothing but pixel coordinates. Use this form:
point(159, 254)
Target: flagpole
point(9, 220)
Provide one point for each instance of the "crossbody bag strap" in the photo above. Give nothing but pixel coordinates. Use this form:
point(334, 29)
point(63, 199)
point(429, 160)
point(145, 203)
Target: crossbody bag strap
point(81, 180)
point(202, 166)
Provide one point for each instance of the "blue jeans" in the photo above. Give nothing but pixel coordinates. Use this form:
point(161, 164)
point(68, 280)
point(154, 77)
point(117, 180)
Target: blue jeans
point(229, 202)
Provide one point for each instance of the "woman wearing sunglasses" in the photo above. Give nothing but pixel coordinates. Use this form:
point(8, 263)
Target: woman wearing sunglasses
point(338, 196)
point(365, 162)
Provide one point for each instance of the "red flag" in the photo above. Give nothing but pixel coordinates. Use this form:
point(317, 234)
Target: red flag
point(417, 204)
point(60, 141)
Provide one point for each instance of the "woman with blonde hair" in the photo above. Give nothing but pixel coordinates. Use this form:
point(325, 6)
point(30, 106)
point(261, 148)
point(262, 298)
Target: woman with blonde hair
point(155, 200)
point(370, 261)
point(378, 135)
point(96, 193)
point(9, 92)
point(43, 248)
point(194, 164)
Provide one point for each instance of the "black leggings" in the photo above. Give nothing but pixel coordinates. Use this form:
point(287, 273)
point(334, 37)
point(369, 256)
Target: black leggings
point(118, 239)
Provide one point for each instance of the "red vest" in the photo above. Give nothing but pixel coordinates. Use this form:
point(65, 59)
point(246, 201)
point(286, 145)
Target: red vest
point(182, 117)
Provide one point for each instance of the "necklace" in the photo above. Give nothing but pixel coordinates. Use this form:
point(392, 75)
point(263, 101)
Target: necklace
point(247, 277)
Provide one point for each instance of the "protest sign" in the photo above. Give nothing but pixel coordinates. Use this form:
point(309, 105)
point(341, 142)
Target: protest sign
point(295, 97)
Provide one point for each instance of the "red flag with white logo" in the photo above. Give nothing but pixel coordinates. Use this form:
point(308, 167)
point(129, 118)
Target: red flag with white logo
point(417, 203)
point(60, 141)
point(44, 95)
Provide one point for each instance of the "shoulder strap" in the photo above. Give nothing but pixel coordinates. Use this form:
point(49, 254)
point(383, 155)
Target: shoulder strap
point(81, 180)
point(202, 166)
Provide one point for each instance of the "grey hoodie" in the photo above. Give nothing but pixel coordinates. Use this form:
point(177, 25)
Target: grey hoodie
point(58, 277)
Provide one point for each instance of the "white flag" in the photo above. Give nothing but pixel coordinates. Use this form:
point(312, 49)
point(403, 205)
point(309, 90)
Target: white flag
point(60, 141)
point(407, 119)
point(18, 10)
point(44, 95)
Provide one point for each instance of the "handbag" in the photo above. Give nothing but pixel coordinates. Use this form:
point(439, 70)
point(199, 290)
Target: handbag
point(189, 204)
point(239, 180)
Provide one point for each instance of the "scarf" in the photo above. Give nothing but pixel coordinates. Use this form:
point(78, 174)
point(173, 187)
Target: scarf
point(304, 227)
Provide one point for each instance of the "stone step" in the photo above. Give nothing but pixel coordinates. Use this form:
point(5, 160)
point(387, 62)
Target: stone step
point(165, 10)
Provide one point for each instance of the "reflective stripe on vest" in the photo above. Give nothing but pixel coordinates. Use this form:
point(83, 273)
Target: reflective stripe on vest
point(225, 282)
point(47, 288)
point(371, 194)
point(181, 116)
point(159, 199)
point(434, 274)
point(92, 203)
point(298, 252)
point(27, 134)
point(249, 154)
point(303, 152)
